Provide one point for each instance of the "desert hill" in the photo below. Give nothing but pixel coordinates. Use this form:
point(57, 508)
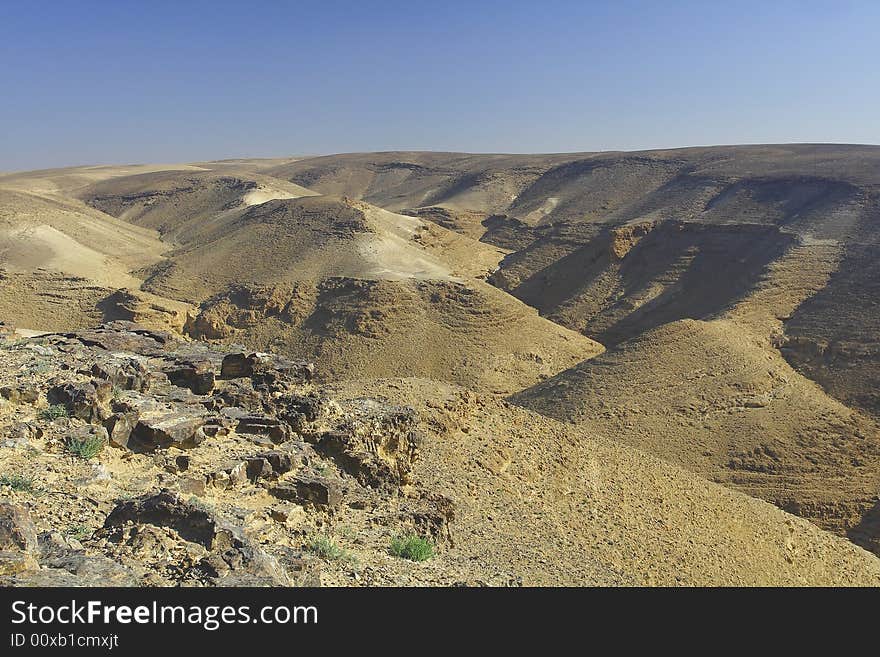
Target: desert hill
point(776, 243)
point(725, 404)
point(714, 308)
point(368, 291)
point(63, 263)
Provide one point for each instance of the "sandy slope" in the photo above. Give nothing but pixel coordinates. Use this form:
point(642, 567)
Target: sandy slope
point(725, 404)
point(560, 505)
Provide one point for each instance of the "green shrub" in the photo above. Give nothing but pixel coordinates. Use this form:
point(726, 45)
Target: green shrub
point(326, 548)
point(53, 412)
point(85, 448)
point(79, 532)
point(19, 482)
point(414, 548)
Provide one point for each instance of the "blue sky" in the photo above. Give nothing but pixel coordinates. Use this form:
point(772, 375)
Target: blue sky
point(118, 81)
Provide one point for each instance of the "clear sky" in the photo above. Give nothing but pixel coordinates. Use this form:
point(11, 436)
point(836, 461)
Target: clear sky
point(155, 81)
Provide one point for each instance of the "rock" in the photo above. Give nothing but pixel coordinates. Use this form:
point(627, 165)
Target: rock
point(167, 509)
point(13, 563)
point(65, 563)
point(269, 368)
point(121, 336)
point(281, 462)
point(241, 393)
point(300, 411)
point(192, 486)
point(269, 465)
point(119, 427)
point(231, 476)
point(233, 413)
point(259, 468)
point(263, 425)
point(376, 443)
point(233, 560)
point(125, 373)
point(17, 530)
point(171, 429)
point(21, 434)
point(281, 513)
point(431, 515)
point(198, 376)
point(88, 401)
point(236, 366)
point(312, 490)
point(265, 368)
point(21, 393)
point(214, 427)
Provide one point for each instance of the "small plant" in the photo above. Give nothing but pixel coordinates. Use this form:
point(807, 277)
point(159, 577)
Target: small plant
point(79, 532)
point(326, 548)
point(19, 483)
point(414, 548)
point(199, 503)
point(53, 412)
point(85, 448)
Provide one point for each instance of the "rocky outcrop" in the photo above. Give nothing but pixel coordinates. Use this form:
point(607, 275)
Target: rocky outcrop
point(624, 238)
point(374, 442)
point(187, 423)
point(231, 559)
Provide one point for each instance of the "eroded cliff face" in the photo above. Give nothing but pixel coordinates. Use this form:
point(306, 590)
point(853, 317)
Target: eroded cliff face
point(616, 283)
point(832, 337)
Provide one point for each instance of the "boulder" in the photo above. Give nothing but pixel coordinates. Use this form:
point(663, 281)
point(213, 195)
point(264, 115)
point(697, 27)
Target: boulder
point(236, 366)
point(119, 427)
point(305, 489)
point(89, 401)
point(269, 465)
point(197, 376)
point(265, 368)
point(175, 428)
point(122, 336)
point(167, 509)
point(17, 530)
point(124, 373)
point(264, 425)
